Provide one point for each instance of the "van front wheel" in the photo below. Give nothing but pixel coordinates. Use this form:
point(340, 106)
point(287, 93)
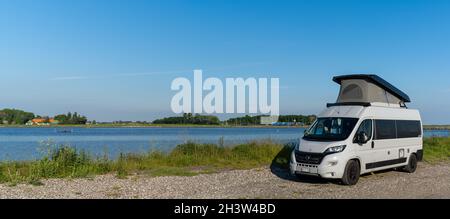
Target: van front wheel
point(412, 164)
point(351, 173)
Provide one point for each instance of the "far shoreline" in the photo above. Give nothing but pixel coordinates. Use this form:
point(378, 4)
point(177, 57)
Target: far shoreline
point(425, 127)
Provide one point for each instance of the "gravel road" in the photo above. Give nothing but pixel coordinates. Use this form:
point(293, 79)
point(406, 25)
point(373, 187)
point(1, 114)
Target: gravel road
point(430, 181)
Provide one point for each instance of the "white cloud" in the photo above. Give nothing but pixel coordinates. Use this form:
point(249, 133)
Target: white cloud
point(68, 78)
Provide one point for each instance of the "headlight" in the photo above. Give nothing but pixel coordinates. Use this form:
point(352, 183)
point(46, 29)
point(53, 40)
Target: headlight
point(335, 149)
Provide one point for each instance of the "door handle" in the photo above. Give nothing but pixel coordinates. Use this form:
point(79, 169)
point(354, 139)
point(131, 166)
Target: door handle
point(373, 144)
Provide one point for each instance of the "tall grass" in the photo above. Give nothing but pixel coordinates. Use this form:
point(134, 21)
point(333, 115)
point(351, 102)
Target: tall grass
point(185, 160)
point(436, 149)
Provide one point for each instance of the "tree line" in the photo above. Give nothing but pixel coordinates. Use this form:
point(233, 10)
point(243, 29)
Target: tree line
point(256, 120)
point(20, 117)
point(15, 117)
point(71, 119)
point(188, 118)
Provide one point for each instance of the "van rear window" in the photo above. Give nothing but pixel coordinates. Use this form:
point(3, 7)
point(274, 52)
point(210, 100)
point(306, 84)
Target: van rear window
point(408, 129)
point(391, 129)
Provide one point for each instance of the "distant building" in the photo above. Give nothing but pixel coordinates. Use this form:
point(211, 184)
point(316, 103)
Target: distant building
point(269, 120)
point(42, 121)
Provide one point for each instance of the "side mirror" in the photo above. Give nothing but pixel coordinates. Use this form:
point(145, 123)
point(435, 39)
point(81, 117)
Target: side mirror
point(362, 138)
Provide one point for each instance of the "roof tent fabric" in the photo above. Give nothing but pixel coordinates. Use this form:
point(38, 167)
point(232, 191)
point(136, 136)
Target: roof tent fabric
point(368, 89)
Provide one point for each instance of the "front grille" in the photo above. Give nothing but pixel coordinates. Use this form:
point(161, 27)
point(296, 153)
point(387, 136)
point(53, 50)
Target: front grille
point(308, 158)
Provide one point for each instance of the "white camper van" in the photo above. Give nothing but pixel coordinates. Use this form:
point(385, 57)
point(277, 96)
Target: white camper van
point(368, 129)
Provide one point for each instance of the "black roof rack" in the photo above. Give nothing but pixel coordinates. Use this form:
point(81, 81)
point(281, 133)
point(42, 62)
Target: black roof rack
point(378, 81)
point(349, 104)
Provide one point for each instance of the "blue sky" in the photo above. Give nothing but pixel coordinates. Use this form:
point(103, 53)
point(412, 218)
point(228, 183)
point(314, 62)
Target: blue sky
point(115, 59)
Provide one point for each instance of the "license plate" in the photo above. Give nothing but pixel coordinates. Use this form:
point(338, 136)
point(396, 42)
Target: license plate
point(305, 169)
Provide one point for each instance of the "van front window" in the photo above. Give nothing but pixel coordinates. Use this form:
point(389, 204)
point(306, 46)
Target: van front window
point(331, 129)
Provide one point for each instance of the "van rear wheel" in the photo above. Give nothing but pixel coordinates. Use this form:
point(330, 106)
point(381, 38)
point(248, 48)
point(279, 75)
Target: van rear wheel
point(412, 164)
point(351, 173)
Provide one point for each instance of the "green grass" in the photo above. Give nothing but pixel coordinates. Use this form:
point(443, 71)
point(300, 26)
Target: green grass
point(185, 160)
point(436, 150)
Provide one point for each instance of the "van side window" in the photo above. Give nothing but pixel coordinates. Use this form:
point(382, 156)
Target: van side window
point(408, 129)
point(366, 126)
point(385, 129)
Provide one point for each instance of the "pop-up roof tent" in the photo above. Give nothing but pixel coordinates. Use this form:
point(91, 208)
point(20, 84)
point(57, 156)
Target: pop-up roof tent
point(367, 90)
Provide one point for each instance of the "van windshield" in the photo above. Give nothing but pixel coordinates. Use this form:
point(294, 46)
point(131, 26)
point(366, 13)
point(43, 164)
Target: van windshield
point(330, 129)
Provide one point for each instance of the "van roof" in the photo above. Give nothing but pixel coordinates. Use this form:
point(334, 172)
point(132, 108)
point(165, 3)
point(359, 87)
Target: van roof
point(375, 79)
point(375, 112)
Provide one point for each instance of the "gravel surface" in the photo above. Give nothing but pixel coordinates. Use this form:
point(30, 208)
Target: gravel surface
point(430, 181)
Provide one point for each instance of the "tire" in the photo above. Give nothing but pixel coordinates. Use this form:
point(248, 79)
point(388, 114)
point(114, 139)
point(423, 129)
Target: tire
point(351, 173)
point(412, 164)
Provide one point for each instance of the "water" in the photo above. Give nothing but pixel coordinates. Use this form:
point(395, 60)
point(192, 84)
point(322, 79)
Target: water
point(31, 143)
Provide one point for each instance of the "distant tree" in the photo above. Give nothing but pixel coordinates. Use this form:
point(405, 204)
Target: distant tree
point(62, 119)
point(71, 119)
point(246, 120)
point(14, 116)
point(256, 120)
point(188, 118)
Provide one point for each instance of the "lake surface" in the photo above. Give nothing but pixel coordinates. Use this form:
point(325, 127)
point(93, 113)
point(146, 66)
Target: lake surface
point(32, 143)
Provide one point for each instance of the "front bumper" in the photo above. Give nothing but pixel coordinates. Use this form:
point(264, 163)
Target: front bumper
point(330, 167)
